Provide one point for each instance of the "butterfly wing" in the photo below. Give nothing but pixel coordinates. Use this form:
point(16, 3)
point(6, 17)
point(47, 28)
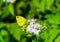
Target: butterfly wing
point(20, 20)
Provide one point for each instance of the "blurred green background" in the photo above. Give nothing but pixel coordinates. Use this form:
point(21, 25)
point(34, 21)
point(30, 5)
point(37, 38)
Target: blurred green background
point(45, 11)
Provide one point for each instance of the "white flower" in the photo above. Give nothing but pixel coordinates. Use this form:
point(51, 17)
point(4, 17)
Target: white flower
point(37, 25)
point(10, 1)
point(33, 28)
point(31, 21)
point(37, 32)
point(29, 29)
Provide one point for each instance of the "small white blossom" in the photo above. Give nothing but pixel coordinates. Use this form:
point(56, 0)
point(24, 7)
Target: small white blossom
point(37, 25)
point(31, 21)
point(33, 27)
point(37, 32)
point(9, 1)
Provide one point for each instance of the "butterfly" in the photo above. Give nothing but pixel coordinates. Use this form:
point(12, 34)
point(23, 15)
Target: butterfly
point(20, 20)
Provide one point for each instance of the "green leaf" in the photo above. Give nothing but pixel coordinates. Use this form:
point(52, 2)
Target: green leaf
point(0, 12)
point(28, 16)
point(35, 3)
point(4, 12)
point(53, 35)
point(42, 5)
point(1, 2)
point(1, 39)
point(58, 3)
point(2, 25)
point(24, 40)
point(11, 9)
point(20, 4)
point(15, 30)
point(44, 35)
point(58, 39)
point(33, 41)
point(49, 3)
point(4, 33)
point(54, 19)
point(29, 35)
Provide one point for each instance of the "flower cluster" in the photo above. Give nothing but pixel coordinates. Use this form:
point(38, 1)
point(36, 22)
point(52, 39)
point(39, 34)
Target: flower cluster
point(10, 1)
point(33, 27)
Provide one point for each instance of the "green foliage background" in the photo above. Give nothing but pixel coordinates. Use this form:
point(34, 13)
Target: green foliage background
point(45, 11)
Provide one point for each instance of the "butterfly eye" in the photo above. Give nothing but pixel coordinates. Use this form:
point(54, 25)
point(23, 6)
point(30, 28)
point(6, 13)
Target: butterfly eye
point(17, 16)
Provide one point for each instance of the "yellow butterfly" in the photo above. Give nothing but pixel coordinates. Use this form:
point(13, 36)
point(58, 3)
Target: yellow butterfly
point(20, 20)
